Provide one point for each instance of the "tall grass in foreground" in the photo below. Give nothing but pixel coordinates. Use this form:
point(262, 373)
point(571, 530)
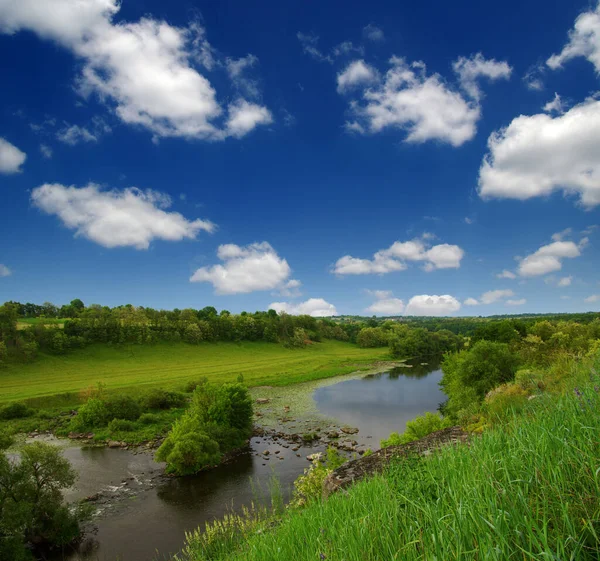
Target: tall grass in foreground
point(527, 489)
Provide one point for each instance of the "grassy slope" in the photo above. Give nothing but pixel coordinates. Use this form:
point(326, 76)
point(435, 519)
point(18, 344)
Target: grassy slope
point(173, 364)
point(526, 490)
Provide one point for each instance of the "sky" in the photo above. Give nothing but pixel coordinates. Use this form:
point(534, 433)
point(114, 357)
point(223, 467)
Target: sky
point(334, 157)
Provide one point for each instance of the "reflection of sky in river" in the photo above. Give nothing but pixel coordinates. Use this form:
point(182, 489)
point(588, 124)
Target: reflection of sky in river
point(379, 405)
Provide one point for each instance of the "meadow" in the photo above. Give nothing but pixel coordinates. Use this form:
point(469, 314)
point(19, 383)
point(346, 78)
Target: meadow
point(171, 365)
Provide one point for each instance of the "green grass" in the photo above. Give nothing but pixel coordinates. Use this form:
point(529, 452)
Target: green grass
point(135, 367)
point(23, 323)
point(527, 490)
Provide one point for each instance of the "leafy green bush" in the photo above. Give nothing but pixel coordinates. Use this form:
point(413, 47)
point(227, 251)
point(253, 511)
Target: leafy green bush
point(148, 419)
point(15, 411)
point(93, 413)
point(193, 384)
point(187, 449)
point(121, 425)
point(218, 420)
point(418, 428)
point(123, 407)
point(309, 487)
point(162, 399)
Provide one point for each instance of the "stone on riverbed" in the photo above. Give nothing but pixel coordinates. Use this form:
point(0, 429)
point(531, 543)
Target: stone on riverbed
point(349, 430)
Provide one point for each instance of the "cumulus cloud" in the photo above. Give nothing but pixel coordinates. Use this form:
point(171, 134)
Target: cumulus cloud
point(548, 258)
point(537, 155)
point(584, 41)
point(470, 70)
point(565, 281)
point(291, 289)
point(357, 73)
point(74, 135)
point(519, 302)
point(316, 307)
point(11, 158)
point(117, 218)
point(422, 105)
point(385, 304)
point(506, 274)
point(492, 296)
point(471, 302)
point(245, 269)
point(394, 258)
point(4, 271)
point(373, 33)
point(593, 298)
point(426, 305)
point(144, 70)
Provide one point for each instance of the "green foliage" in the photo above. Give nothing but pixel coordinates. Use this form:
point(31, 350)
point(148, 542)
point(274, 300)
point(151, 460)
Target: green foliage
point(148, 419)
point(93, 413)
point(3, 354)
point(298, 340)
point(158, 398)
point(371, 337)
point(309, 486)
point(219, 419)
point(469, 375)
point(15, 411)
point(418, 428)
point(32, 512)
point(187, 449)
point(121, 425)
point(123, 407)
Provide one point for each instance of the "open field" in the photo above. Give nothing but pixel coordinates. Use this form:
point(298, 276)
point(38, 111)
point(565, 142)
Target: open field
point(173, 364)
point(24, 323)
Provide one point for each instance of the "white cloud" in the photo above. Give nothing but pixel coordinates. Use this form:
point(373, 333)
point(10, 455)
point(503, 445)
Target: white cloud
point(385, 304)
point(565, 281)
point(492, 296)
point(593, 298)
point(516, 302)
point(537, 155)
point(245, 116)
point(357, 73)
point(584, 41)
point(441, 256)
point(555, 106)
point(533, 78)
point(291, 289)
point(469, 70)
point(46, 151)
point(4, 271)
point(11, 158)
point(559, 236)
point(316, 307)
point(310, 47)
point(426, 305)
point(424, 106)
point(245, 269)
point(117, 218)
point(238, 70)
point(468, 220)
point(74, 135)
point(549, 257)
point(346, 48)
point(144, 70)
point(373, 33)
point(471, 302)
point(506, 274)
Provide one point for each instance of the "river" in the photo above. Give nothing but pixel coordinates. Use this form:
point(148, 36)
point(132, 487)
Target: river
point(144, 515)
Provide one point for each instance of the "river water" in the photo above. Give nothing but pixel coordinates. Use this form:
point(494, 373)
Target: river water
point(144, 515)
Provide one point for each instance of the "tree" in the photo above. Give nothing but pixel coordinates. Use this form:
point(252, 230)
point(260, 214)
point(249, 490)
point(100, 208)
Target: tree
point(32, 511)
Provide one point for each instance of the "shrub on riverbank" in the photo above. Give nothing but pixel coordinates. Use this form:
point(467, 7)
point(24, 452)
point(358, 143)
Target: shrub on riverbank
point(219, 420)
point(528, 487)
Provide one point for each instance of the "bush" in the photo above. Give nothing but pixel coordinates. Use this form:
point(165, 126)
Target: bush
point(123, 407)
point(298, 340)
point(187, 450)
point(505, 399)
point(193, 384)
point(162, 399)
point(91, 414)
point(121, 425)
point(371, 337)
point(309, 487)
point(149, 419)
point(418, 428)
point(15, 411)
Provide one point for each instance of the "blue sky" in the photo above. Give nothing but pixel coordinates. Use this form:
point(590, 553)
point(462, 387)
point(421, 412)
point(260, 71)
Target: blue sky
point(331, 157)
